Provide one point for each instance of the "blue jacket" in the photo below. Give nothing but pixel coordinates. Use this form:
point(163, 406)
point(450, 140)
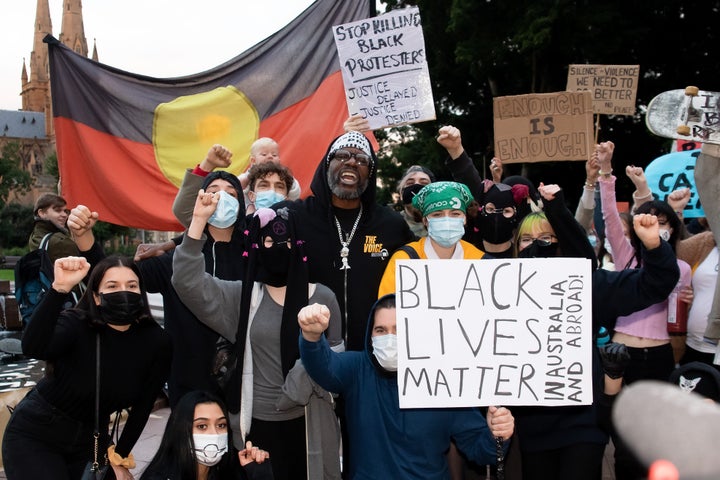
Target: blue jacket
point(385, 441)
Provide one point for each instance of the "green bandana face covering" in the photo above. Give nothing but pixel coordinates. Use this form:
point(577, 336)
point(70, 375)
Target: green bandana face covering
point(442, 196)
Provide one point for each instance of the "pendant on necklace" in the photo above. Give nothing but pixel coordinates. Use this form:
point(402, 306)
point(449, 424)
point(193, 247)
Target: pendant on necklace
point(345, 265)
point(344, 253)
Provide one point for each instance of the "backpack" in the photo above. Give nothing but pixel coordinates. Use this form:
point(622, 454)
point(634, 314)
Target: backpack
point(33, 278)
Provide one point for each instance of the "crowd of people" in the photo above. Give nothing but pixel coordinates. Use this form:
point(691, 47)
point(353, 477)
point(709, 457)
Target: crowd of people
point(279, 349)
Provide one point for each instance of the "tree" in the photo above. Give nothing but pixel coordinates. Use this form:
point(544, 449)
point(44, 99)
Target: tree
point(12, 176)
point(16, 224)
point(51, 166)
point(478, 50)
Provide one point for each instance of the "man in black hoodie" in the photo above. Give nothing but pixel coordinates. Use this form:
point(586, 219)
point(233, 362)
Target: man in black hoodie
point(349, 237)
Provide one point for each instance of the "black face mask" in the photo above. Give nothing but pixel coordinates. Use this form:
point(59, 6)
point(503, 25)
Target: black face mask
point(120, 308)
point(273, 265)
point(496, 228)
point(409, 192)
point(539, 250)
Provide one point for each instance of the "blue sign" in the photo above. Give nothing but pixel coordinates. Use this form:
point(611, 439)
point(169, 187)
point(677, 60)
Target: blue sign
point(671, 172)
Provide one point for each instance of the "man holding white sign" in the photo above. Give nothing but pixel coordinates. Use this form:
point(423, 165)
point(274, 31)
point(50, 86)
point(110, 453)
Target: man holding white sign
point(386, 441)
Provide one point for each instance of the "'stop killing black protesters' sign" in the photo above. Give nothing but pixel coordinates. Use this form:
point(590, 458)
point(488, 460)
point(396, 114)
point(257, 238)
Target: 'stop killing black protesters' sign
point(494, 332)
point(384, 68)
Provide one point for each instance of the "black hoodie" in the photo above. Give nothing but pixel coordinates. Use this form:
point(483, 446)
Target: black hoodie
point(380, 232)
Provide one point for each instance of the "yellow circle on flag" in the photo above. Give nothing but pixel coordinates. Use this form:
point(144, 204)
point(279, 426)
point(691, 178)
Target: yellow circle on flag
point(185, 129)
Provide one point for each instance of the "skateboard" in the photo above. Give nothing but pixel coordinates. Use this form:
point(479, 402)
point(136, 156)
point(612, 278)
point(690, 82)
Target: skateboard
point(691, 114)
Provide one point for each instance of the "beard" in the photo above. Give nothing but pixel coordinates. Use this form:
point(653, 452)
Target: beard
point(342, 192)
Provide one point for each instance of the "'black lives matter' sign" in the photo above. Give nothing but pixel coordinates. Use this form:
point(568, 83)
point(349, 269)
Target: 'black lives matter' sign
point(494, 332)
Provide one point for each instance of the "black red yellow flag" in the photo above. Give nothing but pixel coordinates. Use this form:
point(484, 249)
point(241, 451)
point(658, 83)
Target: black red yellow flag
point(124, 140)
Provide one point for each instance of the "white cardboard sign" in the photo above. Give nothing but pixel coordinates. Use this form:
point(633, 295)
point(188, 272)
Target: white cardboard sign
point(494, 332)
point(384, 67)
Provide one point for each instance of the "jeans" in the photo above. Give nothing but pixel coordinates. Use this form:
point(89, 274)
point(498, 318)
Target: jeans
point(40, 441)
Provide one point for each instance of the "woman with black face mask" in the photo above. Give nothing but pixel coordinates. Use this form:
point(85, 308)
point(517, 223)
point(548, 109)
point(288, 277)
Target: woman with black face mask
point(270, 398)
point(51, 431)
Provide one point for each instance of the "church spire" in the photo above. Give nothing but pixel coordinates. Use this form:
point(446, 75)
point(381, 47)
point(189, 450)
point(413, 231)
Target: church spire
point(95, 54)
point(72, 32)
point(39, 69)
point(24, 75)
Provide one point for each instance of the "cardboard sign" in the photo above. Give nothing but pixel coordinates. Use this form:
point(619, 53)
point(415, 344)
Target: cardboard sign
point(494, 332)
point(613, 87)
point(543, 127)
point(671, 172)
point(384, 68)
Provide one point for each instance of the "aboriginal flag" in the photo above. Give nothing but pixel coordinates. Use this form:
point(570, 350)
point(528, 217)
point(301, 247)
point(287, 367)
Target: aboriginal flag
point(125, 140)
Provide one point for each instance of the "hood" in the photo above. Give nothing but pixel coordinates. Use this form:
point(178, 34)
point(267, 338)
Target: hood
point(228, 177)
point(321, 190)
point(233, 180)
point(368, 334)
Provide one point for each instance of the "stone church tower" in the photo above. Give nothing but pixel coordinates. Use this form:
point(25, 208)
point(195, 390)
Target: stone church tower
point(36, 88)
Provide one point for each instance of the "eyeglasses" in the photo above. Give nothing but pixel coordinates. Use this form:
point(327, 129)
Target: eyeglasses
point(507, 212)
point(361, 159)
point(544, 240)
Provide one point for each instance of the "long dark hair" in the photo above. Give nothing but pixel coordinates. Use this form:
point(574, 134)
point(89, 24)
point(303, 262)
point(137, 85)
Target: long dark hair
point(87, 301)
point(175, 458)
point(657, 208)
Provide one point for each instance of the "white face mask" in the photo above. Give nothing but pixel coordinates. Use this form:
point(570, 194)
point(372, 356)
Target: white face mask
point(608, 247)
point(665, 234)
point(210, 447)
point(385, 350)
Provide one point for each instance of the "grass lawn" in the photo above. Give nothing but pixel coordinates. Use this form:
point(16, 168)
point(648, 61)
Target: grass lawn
point(7, 275)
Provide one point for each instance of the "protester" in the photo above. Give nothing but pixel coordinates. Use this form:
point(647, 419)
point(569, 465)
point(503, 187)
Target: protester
point(386, 441)
point(51, 218)
point(645, 332)
point(268, 184)
point(50, 433)
point(349, 237)
point(445, 229)
point(269, 393)
point(568, 442)
point(196, 446)
point(700, 252)
point(412, 181)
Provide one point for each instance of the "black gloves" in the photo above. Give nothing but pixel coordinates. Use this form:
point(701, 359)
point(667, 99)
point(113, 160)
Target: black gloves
point(615, 357)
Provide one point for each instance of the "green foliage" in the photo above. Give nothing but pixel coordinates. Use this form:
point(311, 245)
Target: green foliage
point(16, 224)
point(51, 166)
point(480, 49)
point(110, 235)
point(12, 177)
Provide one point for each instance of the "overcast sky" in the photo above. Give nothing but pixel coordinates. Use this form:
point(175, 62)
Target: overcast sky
point(159, 38)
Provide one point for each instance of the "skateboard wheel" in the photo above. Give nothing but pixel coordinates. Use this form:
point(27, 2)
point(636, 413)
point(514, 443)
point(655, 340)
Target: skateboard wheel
point(691, 91)
point(683, 130)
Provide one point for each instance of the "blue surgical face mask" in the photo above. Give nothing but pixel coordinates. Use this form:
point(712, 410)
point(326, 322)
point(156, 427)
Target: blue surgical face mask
point(226, 213)
point(446, 231)
point(268, 198)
